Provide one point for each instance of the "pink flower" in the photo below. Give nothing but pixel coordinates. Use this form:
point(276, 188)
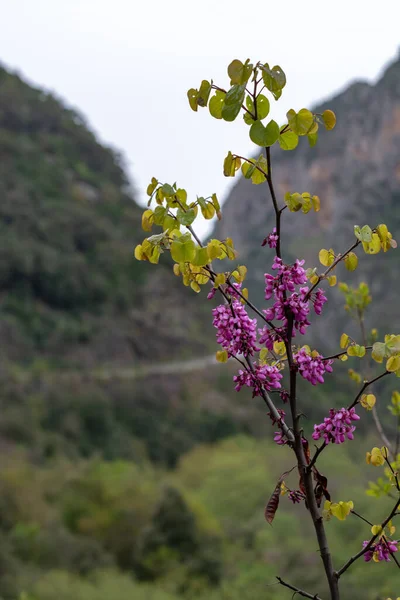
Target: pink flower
point(312, 368)
point(265, 377)
point(236, 332)
point(337, 427)
point(381, 550)
point(271, 239)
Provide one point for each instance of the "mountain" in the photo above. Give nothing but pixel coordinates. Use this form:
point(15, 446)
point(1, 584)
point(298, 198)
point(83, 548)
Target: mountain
point(70, 290)
point(355, 170)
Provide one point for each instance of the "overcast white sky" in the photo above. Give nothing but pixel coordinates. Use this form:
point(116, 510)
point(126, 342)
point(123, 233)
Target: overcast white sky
point(127, 64)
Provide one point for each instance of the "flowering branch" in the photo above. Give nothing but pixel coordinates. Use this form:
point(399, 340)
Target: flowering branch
point(370, 543)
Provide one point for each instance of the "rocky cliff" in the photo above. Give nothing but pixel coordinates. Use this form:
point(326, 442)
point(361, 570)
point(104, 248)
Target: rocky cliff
point(355, 170)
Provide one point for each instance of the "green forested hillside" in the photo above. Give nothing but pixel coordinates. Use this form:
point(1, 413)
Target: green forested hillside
point(118, 480)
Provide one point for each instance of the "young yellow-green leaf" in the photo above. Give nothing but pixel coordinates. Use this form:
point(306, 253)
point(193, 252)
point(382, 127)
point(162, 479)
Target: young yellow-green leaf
point(374, 246)
point(215, 250)
point(344, 340)
point(326, 257)
point(201, 257)
point(183, 249)
point(138, 253)
point(231, 165)
point(288, 140)
point(204, 93)
point(393, 364)
point(376, 529)
point(378, 352)
point(216, 103)
point(368, 401)
point(152, 186)
point(302, 122)
point(215, 202)
point(170, 222)
point(351, 261)
point(375, 457)
point(221, 356)
point(341, 510)
point(243, 272)
point(219, 279)
point(274, 79)
point(294, 202)
point(150, 252)
point(312, 139)
point(195, 286)
point(316, 203)
point(208, 211)
point(332, 280)
point(192, 97)
point(356, 350)
point(176, 269)
point(147, 220)
point(329, 119)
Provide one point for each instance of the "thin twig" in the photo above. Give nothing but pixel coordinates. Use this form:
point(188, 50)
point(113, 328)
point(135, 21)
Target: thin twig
point(298, 590)
point(364, 387)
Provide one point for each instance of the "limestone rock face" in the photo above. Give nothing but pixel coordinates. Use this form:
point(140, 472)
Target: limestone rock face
point(355, 170)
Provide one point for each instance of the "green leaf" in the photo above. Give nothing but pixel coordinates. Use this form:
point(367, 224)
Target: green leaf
point(264, 136)
point(183, 249)
point(274, 79)
point(186, 217)
point(263, 107)
point(239, 72)
point(160, 213)
point(351, 261)
point(301, 122)
point(168, 190)
point(250, 170)
point(201, 257)
point(216, 103)
point(288, 140)
point(233, 102)
point(204, 93)
point(366, 234)
point(192, 97)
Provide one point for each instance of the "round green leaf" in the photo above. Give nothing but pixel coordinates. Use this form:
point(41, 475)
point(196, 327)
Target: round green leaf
point(288, 140)
point(215, 105)
point(300, 122)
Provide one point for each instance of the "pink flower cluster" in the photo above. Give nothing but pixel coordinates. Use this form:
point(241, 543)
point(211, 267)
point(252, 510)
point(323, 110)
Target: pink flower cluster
point(265, 377)
point(271, 239)
point(236, 332)
point(312, 368)
point(337, 426)
point(288, 277)
point(381, 550)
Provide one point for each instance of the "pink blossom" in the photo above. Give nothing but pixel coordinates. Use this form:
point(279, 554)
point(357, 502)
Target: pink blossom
point(312, 368)
point(236, 332)
point(337, 426)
